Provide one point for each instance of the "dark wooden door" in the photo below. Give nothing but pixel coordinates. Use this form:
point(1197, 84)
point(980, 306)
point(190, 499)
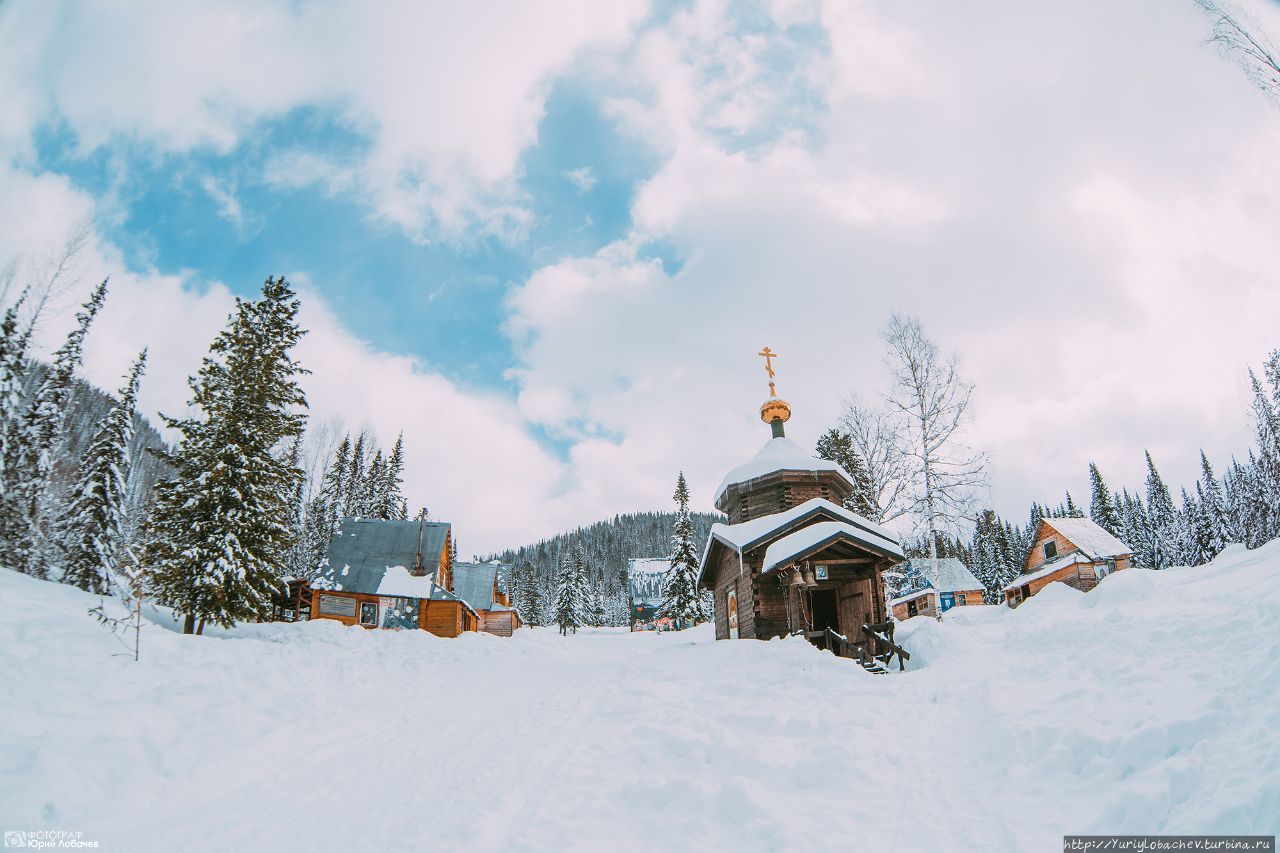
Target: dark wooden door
point(822, 605)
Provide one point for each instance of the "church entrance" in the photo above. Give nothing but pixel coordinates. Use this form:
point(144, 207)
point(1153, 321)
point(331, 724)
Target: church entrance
point(822, 604)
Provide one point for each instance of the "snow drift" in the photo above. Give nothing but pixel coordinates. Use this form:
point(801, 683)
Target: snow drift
point(1145, 706)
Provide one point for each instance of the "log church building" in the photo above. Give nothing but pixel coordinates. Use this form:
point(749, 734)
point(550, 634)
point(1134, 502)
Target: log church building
point(792, 559)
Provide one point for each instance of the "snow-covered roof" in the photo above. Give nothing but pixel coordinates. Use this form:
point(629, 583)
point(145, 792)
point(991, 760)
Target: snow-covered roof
point(1048, 569)
point(909, 596)
point(816, 536)
point(747, 533)
point(1090, 538)
point(648, 565)
point(953, 575)
point(778, 454)
point(396, 581)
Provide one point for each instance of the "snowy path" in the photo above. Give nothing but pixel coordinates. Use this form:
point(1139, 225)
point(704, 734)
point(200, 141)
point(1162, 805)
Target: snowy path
point(1145, 706)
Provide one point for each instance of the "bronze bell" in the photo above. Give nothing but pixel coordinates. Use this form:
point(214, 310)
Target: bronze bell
point(809, 582)
point(795, 579)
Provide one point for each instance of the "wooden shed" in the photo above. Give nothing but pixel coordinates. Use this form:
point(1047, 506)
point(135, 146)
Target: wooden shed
point(955, 586)
point(1074, 551)
point(484, 587)
point(792, 558)
point(392, 574)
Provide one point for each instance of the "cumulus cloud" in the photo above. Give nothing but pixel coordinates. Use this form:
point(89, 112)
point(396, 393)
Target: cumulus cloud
point(446, 95)
point(1091, 232)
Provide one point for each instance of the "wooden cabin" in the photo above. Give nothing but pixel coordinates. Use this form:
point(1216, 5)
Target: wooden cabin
point(392, 574)
point(484, 587)
point(1074, 551)
point(792, 559)
point(955, 587)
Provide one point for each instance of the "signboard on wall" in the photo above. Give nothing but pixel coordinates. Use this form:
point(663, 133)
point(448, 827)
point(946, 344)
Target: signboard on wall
point(731, 605)
point(337, 605)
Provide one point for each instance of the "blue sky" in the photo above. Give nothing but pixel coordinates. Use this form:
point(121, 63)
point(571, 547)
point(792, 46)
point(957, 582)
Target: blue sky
point(549, 250)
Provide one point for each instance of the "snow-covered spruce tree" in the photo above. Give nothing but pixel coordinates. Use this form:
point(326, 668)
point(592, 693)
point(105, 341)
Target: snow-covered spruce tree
point(219, 529)
point(356, 488)
point(837, 446)
point(1071, 510)
point(568, 605)
point(681, 601)
point(92, 528)
point(1101, 509)
point(397, 507)
point(14, 342)
point(1160, 539)
point(333, 489)
point(41, 433)
point(1265, 475)
point(1216, 525)
point(931, 402)
point(375, 495)
point(596, 615)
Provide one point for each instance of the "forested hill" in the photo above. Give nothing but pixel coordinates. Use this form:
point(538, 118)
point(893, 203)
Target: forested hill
point(85, 410)
point(609, 544)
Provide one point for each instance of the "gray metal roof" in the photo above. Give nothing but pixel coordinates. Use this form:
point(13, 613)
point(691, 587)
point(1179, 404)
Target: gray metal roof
point(473, 583)
point(362, 549)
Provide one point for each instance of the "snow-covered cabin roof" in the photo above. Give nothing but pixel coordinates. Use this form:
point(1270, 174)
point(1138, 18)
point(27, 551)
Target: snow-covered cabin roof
point(1089, 537)
point(806, 540)
point(778, 454)
point(648, 565)
point(644, 578)
point(364, 552)
point(910, 596)
point(1049, 569)
point(953, 575)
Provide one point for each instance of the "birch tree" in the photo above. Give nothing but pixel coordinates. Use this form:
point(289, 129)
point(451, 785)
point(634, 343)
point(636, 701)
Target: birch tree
point(930, 402)
point(872, 434)
point(1241, 40)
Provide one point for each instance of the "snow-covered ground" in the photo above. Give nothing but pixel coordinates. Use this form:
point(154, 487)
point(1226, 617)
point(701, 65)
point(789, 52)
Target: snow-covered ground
point(1149, 705)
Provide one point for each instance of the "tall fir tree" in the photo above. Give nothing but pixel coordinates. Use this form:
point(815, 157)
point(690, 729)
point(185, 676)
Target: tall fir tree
point(14, 342)
point(681, 600)
point(569, 604)
point(31, 534)
point(397, 505)
point(1215, 523)
point(837, 446)
point(92, 529)
point(353, 505)
point(1101, 508)
point(1160, 539)
point(219, 529)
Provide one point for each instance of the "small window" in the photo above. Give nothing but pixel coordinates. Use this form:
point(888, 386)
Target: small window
point(1050, 549)
point(369, 613)
point(961, 598)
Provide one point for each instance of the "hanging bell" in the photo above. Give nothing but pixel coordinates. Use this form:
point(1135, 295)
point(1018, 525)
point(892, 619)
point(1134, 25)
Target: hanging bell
point(795, 580)
point(808, 578)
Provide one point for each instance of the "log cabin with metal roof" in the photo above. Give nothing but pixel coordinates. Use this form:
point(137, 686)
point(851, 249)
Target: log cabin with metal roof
point(793, 559)
point(1074, 551)
point(483, 586)
point(392, 574)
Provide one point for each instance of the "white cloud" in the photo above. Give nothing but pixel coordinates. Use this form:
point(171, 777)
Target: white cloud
point(584, 178)
point(448, 95)
point(1093, 231)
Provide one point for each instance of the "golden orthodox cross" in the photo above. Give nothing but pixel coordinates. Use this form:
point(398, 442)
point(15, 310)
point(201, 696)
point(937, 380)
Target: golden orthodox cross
point(769, 355)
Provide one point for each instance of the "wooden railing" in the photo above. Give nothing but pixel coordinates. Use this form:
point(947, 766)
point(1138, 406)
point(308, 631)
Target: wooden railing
point(881, 634)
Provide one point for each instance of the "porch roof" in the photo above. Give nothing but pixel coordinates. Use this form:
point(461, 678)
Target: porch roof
point(817, 537)
point(1055, 566)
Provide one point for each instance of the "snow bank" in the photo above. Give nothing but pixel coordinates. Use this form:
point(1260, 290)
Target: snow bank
point(1145, 706)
